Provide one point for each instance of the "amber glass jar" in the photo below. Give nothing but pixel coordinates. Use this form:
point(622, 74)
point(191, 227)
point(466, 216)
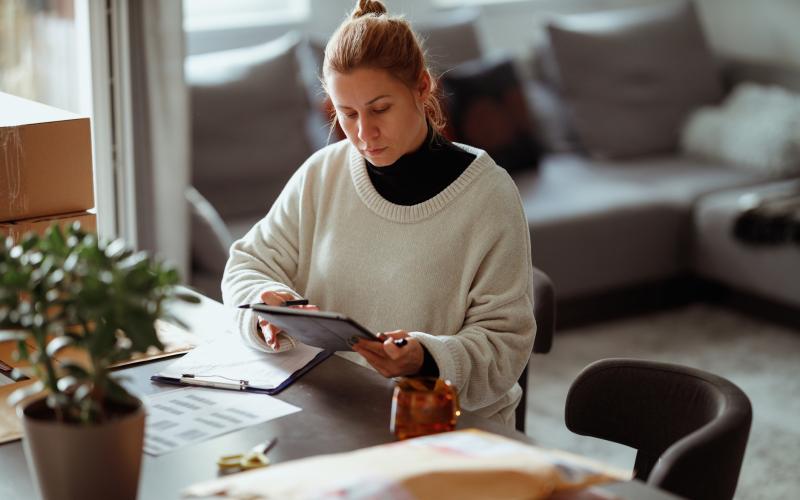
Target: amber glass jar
point(423, 405)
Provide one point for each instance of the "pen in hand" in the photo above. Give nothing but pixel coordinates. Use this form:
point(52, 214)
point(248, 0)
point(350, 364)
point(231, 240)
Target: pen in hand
point(398, 342)
point(296, 302)
point(288, 303)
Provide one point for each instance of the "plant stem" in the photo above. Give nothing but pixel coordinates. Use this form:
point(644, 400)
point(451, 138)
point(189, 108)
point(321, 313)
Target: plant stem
point(51, 380)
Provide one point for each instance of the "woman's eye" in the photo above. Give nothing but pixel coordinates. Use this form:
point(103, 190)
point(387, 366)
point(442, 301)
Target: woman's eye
point(381, 110)
point(351, 115)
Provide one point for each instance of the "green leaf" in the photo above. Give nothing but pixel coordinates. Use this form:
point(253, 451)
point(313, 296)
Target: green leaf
point(116, 248)
point(71, 278)
point(83, 391)
point(12, 335)
point(102, 341)
point(171, 318)
point(119, 394)
point(66, 384)
point(24, 393)
point(186, 297)
point(55, 238)
point(58, 344)
point(141, 330)
point(75, 370)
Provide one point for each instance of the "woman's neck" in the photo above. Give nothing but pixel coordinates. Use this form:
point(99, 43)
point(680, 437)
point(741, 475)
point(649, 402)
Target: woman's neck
point(422, 136)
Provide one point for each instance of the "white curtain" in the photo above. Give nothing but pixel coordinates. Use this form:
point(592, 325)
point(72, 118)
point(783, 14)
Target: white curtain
point(161, 135)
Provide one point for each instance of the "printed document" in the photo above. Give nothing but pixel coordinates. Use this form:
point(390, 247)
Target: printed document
point(190, 415)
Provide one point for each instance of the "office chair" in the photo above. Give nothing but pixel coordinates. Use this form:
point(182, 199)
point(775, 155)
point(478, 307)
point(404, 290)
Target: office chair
point(544, 311)
point(689, 427)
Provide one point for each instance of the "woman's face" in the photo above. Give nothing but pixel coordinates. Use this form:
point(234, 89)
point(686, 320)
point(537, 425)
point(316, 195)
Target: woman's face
point(379, 114)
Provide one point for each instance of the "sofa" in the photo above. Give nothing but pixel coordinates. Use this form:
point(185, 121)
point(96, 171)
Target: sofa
point(633, 222)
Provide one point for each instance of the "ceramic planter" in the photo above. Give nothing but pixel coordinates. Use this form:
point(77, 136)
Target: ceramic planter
point(71, 461)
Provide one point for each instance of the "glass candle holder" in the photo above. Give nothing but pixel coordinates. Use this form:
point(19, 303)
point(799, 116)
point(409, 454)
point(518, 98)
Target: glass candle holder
point(423, 405)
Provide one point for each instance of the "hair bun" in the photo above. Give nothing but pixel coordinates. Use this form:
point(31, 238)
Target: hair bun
point(365, 7)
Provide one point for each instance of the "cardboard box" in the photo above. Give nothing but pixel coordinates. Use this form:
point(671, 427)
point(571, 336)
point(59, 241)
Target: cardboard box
point(17, 229)
point(45, 160)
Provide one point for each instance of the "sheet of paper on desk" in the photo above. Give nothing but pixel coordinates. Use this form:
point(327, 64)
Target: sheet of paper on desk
point(228, 358)
point(190, 415)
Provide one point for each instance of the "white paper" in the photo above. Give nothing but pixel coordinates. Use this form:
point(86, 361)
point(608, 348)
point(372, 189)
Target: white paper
point(228, 359)
point(192, 414)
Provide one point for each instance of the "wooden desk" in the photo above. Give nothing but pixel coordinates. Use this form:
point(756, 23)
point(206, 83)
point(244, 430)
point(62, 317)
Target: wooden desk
point(345, 407)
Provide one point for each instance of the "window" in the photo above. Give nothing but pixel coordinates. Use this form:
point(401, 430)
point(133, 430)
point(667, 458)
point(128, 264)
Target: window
point(203, 14)
point(42, 54)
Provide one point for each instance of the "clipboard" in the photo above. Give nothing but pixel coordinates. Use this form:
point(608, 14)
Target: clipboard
point(244, 385)
point(226, 362)
point(326, 330)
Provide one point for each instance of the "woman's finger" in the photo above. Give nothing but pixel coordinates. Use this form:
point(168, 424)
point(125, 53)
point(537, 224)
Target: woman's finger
point(276, 298)
point(392, 350)
point(395, 334)
point(372, 346)
point(273, 332)
point(377, 361)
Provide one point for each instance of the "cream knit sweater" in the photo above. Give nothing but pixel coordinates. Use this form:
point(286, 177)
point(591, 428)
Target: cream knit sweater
point(454, 270)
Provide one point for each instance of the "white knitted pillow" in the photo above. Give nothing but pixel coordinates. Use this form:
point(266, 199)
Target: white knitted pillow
point(756, 128)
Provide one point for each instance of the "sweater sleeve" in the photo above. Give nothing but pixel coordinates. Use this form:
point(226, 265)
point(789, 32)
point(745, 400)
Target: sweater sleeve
point(265, 259)
point(486, 356)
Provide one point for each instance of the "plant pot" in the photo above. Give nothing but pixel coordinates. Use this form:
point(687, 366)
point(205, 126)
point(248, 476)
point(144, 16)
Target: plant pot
point(78, 461)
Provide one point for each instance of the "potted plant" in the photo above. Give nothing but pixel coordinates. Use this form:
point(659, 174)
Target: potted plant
point(70, 292)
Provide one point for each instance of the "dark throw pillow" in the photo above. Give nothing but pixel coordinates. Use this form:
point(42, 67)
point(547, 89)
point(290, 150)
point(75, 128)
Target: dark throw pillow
point(486, 108)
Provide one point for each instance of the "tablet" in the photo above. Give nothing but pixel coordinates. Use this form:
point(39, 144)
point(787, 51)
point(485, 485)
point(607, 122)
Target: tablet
point(323, 329)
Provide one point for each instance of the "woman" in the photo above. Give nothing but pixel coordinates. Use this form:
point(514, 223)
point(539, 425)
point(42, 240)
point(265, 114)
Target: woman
point(398, 228)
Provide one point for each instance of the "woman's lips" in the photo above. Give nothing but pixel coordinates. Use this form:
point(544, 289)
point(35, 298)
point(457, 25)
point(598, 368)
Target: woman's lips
point(374, 151)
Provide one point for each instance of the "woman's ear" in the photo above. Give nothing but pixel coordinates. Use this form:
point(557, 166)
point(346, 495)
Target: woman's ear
point(424, 86)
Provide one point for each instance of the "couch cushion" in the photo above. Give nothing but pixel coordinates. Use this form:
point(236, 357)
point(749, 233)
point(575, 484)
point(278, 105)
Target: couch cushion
point(631, 76)
point(249, 119)
point(767, 270)
point(600, 225)
point(451, 40)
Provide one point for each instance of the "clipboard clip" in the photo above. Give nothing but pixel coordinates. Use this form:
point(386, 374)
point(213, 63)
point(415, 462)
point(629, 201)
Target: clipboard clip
point(192, 379)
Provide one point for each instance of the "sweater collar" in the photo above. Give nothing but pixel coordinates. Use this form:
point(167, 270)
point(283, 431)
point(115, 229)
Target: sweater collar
point(413, 213)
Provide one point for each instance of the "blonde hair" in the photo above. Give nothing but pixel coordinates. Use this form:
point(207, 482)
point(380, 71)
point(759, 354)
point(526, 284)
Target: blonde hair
point(370, 38)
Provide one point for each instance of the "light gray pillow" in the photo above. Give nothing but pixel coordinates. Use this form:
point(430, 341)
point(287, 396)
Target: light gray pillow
point(631, 77)
point(249, 123)
point(451, 40)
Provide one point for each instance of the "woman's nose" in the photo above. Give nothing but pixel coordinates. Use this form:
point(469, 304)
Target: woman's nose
point(367, 129)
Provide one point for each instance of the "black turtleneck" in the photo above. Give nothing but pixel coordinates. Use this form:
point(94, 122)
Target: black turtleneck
point(417, 177)
point(422, 174)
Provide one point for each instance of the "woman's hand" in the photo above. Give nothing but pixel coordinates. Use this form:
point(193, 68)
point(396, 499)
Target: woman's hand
point(392, 360)
point(269, 332)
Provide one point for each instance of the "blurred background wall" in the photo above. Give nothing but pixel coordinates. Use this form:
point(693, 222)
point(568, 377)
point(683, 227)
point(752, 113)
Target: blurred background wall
point(764, 30)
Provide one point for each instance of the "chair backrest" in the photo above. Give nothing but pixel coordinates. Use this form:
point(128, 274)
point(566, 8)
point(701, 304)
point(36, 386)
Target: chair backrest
point(689, 427)
point(544, 311)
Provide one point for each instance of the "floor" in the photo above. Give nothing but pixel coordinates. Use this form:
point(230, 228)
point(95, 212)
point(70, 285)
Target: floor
point(760, 357)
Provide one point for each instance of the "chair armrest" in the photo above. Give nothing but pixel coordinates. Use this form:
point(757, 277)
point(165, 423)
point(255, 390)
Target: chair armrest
point(544, 310)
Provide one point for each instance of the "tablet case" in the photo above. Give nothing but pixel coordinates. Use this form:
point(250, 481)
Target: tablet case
point(326, 330)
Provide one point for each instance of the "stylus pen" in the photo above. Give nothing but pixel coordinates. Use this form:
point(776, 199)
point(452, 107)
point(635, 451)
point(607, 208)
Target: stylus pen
point(296, 302)
point(397, 342)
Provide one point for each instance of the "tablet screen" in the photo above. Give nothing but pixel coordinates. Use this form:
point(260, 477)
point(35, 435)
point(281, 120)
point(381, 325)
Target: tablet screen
point(326, 330)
